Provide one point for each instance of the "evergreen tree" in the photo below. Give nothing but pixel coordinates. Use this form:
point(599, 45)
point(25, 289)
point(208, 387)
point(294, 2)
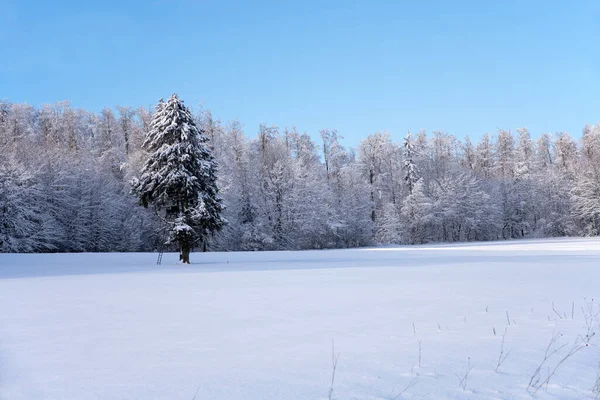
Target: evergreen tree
point(180, 176)
point(411, 174)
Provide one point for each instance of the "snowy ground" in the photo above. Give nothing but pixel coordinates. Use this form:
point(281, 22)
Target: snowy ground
point(260, 325)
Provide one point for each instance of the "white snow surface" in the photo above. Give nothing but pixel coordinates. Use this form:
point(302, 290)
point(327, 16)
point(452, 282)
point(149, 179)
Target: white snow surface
point(261, 325)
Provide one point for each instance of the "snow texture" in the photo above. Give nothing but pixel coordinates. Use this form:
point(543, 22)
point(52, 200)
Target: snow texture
point(261, 325)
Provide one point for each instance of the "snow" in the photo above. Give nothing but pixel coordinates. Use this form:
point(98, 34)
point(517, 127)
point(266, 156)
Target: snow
point(261, 325)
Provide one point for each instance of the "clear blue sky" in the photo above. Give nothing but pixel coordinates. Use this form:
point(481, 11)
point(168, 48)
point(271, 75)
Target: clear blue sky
point(465, 67)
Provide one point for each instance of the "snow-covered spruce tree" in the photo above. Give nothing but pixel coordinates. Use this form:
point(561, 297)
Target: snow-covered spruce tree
point(180, 176)
point(411, 174)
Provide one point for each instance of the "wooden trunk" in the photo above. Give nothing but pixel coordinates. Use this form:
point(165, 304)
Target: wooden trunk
point(184, 253)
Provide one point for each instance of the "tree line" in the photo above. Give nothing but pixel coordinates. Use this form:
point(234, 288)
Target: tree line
point(66, 173)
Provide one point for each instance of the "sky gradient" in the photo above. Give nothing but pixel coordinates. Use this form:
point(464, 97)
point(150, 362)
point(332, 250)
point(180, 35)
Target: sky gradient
point(464, 67)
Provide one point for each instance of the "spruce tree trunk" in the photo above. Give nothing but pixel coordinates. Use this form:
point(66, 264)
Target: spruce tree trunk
point(184, 252)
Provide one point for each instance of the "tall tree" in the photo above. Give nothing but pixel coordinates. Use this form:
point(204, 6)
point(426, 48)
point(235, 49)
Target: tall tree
point(180, 176)
point(411, 174)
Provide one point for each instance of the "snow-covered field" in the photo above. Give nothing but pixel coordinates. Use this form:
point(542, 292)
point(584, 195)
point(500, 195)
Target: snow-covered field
point(261, 325)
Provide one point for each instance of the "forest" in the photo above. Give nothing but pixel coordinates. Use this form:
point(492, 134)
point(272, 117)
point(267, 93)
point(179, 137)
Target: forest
point(66, 173)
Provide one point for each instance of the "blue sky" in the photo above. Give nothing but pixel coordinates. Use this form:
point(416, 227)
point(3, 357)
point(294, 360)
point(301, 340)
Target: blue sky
point(464, 67)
